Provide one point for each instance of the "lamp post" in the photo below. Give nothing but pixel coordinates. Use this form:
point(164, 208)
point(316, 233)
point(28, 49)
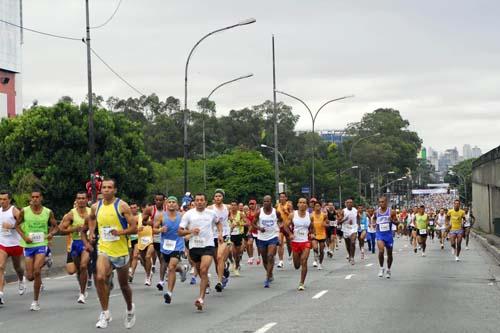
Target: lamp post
point(203, 125)
point(339, 173)
point(313, 119)
point(462, 178)
point(350, 157)
point(272, 149)
point(185, 120)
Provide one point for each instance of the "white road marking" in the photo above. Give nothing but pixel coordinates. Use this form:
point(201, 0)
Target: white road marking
point(114, 295)
point(61, 277)
point(490, 284)
point(368, 265)
point(265, 328)
point(348, 277)
point(321, 293)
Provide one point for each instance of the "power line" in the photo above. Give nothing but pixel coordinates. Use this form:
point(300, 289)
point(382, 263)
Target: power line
point(41, 32)
point(114, 72)
point(110, 18)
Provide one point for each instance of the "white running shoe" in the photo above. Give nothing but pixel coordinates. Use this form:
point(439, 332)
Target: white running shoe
point(35, 306)
point(21, 288)
point(381, 272)
point(423, 254)
point(81, 299)
point(1, 298)
point(280, 264)
point(457, 259)
point(130, 318)
point(250, 261)
point(320, 267)
point(147, 281)
point(467, 248)
point(388, 274)
point(315, 264)
point(103, 320)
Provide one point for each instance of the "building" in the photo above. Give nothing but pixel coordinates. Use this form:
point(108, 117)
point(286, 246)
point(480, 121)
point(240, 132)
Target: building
point(448, 159)
point(10, 58)
point(337, 136)
point(476, 152)
point(433, 158)
point(467, 151)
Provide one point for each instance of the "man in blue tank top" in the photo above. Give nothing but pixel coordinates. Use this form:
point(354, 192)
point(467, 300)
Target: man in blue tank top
point(171, 244)
point(385, 217)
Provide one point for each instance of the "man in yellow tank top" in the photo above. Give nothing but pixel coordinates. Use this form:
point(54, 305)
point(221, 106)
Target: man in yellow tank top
point(146, 248)
point(454, 223)
point(72, 224)
point(285, 209)
point(115, 222)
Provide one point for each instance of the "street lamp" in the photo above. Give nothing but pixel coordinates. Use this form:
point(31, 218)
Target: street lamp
point(185, 120)
point(203, 125)
point(313, 119)
point(358, 141)
point(272, 149)
point(462, 178)
point(340, 181)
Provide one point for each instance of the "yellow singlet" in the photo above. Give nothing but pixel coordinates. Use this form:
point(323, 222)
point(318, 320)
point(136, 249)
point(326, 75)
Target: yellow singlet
point(107, 220)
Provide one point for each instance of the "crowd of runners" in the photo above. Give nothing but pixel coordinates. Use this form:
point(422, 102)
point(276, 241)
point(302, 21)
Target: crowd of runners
point(111, 237)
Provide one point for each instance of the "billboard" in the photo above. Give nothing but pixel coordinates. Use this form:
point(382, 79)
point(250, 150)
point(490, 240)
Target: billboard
point(10, 36)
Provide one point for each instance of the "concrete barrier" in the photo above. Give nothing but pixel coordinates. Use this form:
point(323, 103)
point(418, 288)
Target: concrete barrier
point(490, 242)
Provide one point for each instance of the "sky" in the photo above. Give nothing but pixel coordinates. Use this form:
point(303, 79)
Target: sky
point(437, 62)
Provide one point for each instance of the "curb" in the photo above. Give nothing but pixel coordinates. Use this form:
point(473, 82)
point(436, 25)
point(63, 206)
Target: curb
point(490, 248)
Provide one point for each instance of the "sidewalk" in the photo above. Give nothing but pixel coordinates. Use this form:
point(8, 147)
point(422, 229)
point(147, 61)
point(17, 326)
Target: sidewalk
point(490, 242)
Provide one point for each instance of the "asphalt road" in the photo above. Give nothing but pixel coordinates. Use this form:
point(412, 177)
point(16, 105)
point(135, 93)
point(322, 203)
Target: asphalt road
point(431, 294)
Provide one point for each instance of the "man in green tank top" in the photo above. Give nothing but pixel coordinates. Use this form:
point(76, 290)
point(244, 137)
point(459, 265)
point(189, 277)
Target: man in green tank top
point(33, 226)
point(73, 223)
point(421, 223)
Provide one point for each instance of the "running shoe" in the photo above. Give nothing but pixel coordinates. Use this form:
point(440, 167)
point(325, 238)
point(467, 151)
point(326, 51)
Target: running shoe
point(381, 273)
point(35, 306)
point(193, 280)
point(147, 281)
point(315, 263)
point(250, 261)
point(266, 284)
point(81, 299)
point(1, 298)
point(183, 273)
point(103, 320)
point(207, 290)
point(320, 267)
point(21, 287)
point(225, 280)
point(467, 248)
point(457, 258)
point(237, 272)
point(218, 287)
point(423, 254)
point(167, 296)
point(89, 284)
point(301, 287)
point(129, 320)
point(153, 269)
point(199, 304)
point(258, 261)
point(415, 250)
point(388, 274)
point(160, 285)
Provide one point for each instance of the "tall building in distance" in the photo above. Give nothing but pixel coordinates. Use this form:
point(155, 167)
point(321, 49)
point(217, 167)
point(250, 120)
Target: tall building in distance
point(10, 58)
point(467, 151)
point(476, 152)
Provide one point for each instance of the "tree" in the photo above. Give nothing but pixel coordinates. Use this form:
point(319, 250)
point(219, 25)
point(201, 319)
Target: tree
point(460, 172)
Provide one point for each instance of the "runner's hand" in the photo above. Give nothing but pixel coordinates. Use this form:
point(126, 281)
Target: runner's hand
point(6, 225)
point(89, 247)
point(163, 229)
point(221, 240)
point(28, 240)
point(115, 232)
point(196, 231)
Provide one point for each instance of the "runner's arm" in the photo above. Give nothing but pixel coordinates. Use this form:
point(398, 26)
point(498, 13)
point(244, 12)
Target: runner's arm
point(146, 216)
point(19, 221)
point(89, 225)
point(131, 220)
point(54, 228)
point(394, 217)
point(65, 227)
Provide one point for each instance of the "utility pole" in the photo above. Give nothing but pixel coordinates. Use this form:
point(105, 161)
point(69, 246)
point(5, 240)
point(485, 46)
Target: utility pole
point(91, 110)
point(275, 116)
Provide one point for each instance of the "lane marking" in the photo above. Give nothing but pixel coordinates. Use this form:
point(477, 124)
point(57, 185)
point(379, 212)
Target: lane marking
point(265, 328)
point(368, 265)
point(348, 277)
point(490, 284)
point(321, 293)
point(114, 295)
point(61, 277)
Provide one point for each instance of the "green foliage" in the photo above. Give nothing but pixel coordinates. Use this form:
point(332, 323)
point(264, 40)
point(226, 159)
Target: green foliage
point(462, 171)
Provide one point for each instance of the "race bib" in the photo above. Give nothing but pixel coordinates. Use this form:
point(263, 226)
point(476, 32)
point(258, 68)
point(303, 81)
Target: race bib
point(384, 227)
point(146, 240)
point(467, 224)
point(197, 241)
point(422, 231)
point(333, 223)
point(431, 222)
point(107, 236)
point(169, 245)
point(37, 237)
point(301, 233)
point(6, 232)
point(156, 238)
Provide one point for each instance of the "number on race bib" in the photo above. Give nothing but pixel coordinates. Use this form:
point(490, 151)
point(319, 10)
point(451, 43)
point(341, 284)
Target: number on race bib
point(384, 227)
point(467, 224)
point(108, 236)
point(37, 237)
point(301, 233)
point(422, 231)
point(197, 241)
point(146, 240)
point(169, 245)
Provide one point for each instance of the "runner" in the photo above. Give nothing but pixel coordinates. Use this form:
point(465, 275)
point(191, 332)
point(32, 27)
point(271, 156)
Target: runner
point(454, 223)
point(146, 248)
point(223, 250)
point(72, 224)
point(285, 210)
point(363, 226)
point(350, 223)
point(384, 218)
point(114, 221)
point(134, 240)
point(252, 232)
point(9, 243)
point(301, 246)
point(441, 227)
point(266, 222)
point(421, 223)
point(237, 222)
point(199, 223)
point(413, 229)
point(320, 223)
point(172, 245)
point(432, 224)
point(331, 230)
point(33, 226)
point(372, 229)
point(148, 218)
point(469, 222)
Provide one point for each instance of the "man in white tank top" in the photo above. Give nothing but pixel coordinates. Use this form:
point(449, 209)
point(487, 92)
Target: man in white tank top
point(266, 222)
point(9, 243)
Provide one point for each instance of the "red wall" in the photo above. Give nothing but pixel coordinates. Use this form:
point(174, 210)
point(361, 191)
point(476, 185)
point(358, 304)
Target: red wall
point(10, 90)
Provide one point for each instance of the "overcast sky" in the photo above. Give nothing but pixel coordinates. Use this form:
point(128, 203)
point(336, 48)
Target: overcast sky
point(438, 62)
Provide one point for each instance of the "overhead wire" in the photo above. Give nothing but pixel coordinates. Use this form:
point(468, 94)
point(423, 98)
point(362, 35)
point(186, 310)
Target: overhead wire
point(41, 32)
point(110, 18)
